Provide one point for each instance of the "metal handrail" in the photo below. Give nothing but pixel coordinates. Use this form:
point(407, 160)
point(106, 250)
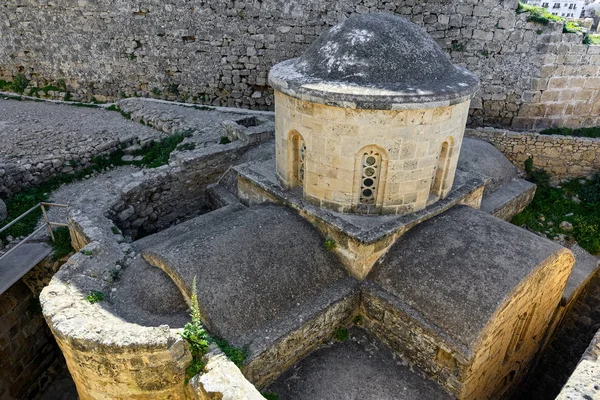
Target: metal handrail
point(48, 224)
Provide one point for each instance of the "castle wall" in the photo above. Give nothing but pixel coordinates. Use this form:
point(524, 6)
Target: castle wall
point(219, 52)
point(562, 156)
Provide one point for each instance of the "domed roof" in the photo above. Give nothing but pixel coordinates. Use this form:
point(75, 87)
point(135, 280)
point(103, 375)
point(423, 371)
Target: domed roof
point(377, 61)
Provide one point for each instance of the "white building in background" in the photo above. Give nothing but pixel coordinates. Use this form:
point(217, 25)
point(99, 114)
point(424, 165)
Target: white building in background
point(562, 8)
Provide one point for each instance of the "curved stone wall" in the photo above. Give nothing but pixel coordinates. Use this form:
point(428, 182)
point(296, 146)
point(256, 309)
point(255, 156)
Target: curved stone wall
point(415, 153)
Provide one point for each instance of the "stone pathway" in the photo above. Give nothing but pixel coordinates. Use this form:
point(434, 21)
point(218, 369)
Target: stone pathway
point(34, 132)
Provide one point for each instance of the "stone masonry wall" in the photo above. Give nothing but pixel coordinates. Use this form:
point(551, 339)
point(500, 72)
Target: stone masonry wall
point(154, 201)
point(219, 52)
point(29, 355)
point(562, 156)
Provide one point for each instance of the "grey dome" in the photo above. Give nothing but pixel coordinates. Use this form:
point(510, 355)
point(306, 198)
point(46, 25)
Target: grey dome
point(377, 61)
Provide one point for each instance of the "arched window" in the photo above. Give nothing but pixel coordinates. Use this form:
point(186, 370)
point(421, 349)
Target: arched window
point(438, 186)
point(297, 156)
point(370, 175)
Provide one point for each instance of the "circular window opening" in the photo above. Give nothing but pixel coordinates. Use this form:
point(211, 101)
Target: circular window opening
point(367, 192)
point(369, 171)
point(371, 160)
point(368, 182)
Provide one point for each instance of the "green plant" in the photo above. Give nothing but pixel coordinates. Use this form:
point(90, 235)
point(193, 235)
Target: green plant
point(173, 89)
point(19, 83)
point(557, 204)
point(485, 53)
point(115, 230)
point(95, 296)
point(593, 132)
point(224, 140)
point(358, 320)
point(529, 165)
point(115, 274)
point(457, 46)
point(537, 14)
point(87, 252)
point(270, 395)
point(62, 243)
point(196, 336)
point(235, 354)
point(155, 91)
point(68, 96)
point(341, 334)
point(330, 244)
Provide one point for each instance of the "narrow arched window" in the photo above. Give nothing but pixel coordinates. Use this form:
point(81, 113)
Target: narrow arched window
point(438, 186)
point(370, 176)
point(298, 157)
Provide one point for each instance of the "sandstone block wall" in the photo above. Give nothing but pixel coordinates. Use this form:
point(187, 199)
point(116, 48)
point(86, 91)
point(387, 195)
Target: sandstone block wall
point(562, 156)
point(154, 201)
point(407, 146)
point(490, 369)
point(219, 52)
point(28, 353)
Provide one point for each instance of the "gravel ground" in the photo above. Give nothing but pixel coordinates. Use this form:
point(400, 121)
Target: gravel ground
point(35, 131)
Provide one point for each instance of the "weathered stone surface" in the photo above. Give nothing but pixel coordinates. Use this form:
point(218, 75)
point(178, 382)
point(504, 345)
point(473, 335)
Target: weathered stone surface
point(483, 158)
point(219, 53)
point(361, 368)
point(448, 306)
point(374, 61)
point(562, 156)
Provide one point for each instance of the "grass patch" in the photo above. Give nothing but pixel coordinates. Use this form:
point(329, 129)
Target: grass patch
point(235, 354)
point(224, 140)
point(537, 14)
point(341, 334)
point(62, 243)
point(593, 132)
point(329, 244)
point(591, 39)
point(552, 205)
point(95, 296)
point(270, 395)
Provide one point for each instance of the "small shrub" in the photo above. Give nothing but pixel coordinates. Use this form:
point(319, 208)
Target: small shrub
point(155, 91)
point(95, 296)
point(68, 96)
point(115, 230)
point(196, 336)
point(115, 274)
point(62, 243)
point(235, 354)
point(20, 83)
point(330, 244)
point(457, 46)
point(224, 140)
point(538, 14)
point(87, 252)
point(529, 165)
point(341, 334)
point(593, 132)
point(270, 395)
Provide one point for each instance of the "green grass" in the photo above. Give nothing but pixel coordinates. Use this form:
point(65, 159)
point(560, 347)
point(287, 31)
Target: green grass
point(341, 334)
point(95, 296)
point(270, 395)
point(154, 155)
point(538, 14)
point(593, 132)
point(591, 39)
point(329, 244)
point(552, 205)
point(224, 140)
point(235, 354)
point(62, 243)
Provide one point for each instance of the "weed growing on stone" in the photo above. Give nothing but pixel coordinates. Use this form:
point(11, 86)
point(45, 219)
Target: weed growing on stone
point(576, 201)
point(95, 296)
point(341, 334)
point(224, 140)
point(114, 107)
point(196, 336)
point(115, 274)
point(87, 252)
point(115, 230)
point(330, 244)
point(358, 320)
point(235, 354)
point(591, 39)
point(537, 14)
point(270, 395)
point(593, 132)
point(62, 243)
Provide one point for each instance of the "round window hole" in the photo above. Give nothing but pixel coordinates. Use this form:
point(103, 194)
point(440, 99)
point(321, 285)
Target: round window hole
point(367, 192)
point(371, 160)
point(369, 171)
point(368, 182)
